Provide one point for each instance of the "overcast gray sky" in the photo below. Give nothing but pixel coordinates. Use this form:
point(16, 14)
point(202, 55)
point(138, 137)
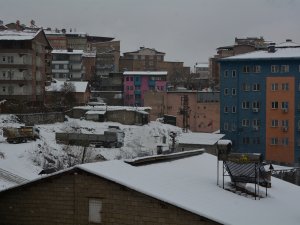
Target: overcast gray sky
point(186, 30)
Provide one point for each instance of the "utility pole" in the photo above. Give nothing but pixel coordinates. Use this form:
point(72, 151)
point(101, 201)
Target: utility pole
point(184, 110)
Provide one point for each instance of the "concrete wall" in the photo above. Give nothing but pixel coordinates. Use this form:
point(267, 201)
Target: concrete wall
point(64, 200)
point(41, 118)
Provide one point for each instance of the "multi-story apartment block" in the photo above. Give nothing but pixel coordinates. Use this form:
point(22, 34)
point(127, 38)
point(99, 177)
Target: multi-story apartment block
point(67, 64)
point(107, 56)
point(147, 59)
point(136, 83)
point(24, 61)
point(57, 38)
point(260, 110)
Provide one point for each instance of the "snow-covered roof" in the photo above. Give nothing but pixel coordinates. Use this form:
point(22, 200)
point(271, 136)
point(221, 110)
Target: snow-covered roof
point(65, 51)
point(287, 44)
point(95, 112)
point(80, 86)
point(17, 35)
point(150, 73)
point(202, 65)
point(278, 54)
point(199, 138)
point(112, 108)
point(191, 184)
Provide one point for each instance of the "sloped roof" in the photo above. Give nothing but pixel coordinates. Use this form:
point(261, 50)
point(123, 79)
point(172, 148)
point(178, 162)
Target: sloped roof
point(143, 48)
point(17, 35)
point(278, 54)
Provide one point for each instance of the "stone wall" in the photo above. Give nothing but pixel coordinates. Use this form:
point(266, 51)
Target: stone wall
point(63, 199)
point(41, 118)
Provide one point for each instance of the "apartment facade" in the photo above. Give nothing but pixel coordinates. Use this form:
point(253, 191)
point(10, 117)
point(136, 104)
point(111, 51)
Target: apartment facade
point(136, 83)
point(149, 59)
point(67, 64)
point(259, 109)
point(203, 108)
point(24, 61)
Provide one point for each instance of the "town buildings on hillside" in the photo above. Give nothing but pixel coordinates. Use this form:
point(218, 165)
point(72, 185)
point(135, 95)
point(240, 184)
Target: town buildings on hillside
point(259, 108)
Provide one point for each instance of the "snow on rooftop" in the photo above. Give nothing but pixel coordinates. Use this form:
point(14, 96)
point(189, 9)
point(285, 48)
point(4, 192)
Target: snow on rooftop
point(200, 65)
point(17, 35)
point(80, 86)
point(145, 73)
point(113, 108)
point(279, 53)
point(190, 183)
point(199, 138)
point(95, 112)
point(65, 51)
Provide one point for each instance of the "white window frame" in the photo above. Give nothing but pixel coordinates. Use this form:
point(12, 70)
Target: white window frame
point(245, 105)
point(256, 87)
point(274, 105)
point(274, 123)
point(257, 69)
point(274, 69)
point(284, 68)
point(274, 86)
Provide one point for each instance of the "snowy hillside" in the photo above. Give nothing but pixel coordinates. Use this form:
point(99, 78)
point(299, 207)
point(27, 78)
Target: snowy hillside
point(26, 160)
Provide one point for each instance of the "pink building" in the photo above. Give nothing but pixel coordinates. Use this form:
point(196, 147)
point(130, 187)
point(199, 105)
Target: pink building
point(136, 83)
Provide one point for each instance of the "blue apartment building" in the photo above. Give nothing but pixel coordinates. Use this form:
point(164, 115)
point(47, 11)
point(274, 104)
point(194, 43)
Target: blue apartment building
point(260, 102)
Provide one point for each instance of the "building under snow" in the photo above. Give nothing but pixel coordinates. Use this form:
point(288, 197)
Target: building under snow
point(177, 191)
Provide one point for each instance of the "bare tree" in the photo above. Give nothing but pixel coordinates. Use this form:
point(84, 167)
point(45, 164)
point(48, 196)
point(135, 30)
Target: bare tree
point(68, 90)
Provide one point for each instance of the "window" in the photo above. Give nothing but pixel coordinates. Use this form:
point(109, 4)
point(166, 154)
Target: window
point(131, 78)
point(246, 69)
point(274, 69)
point(256, 105)
point(226, 91)
point(233, 109)
point(256, 123)
point(3, 59)
point(3, 74)
point(4, 89)
point(274, 141)
point(256, 69)
point(95, 208)
point(10, 59)
point(284, 105)
point(274, 123)
point(285, 86)
point(246, 87)
point(233, 91)
point(233, 73)
point(225, 109)
point(245, 122)
point(127, 78)
point(274, 105)
point(284, 68)
point(274, 86)
point(245, 105)
point(225, 73)
point(256, 87)
point(285, 123)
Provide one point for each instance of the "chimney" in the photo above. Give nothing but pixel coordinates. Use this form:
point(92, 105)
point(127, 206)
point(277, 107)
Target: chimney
point(18, 26)
point(271, 48)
